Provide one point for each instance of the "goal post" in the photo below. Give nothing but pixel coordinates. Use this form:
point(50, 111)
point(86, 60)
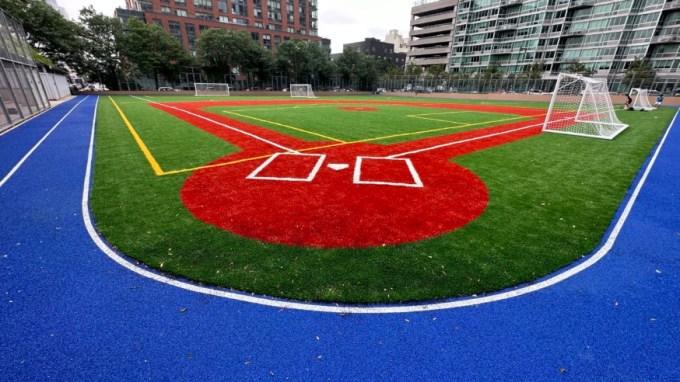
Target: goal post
point(211, 89)
point(301, 91)
point(582, 106)
point(641, 99)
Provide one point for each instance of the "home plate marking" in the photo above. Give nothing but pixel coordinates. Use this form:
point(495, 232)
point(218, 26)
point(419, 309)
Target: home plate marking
point(338, 166)
point(386, 172)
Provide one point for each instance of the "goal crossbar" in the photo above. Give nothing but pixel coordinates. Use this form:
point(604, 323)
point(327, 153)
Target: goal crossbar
point(301, 91)
point(211, 89)
point(582, 106)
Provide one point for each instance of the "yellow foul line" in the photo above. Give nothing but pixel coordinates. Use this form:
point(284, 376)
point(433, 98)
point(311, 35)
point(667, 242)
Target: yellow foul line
point(145, 150)
point(286, 126)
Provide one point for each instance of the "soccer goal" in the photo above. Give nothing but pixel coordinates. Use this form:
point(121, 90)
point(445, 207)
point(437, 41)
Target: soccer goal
point(640, 99)
point(582, 106)
point(301, 91)
point(211, 89)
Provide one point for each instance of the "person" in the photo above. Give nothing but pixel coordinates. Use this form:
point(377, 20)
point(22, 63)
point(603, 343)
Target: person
point(628, 102)
point(659, 100)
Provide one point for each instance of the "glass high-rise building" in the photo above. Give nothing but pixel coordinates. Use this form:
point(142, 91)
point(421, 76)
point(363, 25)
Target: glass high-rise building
point(606, 36)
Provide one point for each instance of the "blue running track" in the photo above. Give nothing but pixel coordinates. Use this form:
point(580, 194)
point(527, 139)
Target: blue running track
point(68, 312)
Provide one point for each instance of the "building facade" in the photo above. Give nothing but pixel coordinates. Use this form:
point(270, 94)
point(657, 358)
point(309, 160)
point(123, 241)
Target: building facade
point(379, 50)
point(605, 36)
point(431, 32)
point(400, 43)
point(269, 22)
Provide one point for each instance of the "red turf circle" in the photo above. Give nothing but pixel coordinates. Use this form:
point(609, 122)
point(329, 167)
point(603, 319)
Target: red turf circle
point(332, 210)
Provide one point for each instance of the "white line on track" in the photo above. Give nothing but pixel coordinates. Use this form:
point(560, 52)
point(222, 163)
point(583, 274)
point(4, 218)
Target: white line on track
point(35, 147)
point(223, 125)
point(354, 309)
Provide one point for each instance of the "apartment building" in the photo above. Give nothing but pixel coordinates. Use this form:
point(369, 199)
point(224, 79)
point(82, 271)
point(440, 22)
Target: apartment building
point(270, 22)
point(431, 34)
point(379, 50)
point(604, 35)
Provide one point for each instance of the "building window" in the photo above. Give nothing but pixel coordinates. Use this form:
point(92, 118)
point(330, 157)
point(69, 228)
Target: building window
point(181, 13)
point(165, 10)
point(224, 19)
point(222, 6)
point(203, 4)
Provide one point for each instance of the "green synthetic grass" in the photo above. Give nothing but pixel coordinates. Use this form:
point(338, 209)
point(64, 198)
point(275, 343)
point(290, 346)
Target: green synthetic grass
point(388, 124)
point(551, 199)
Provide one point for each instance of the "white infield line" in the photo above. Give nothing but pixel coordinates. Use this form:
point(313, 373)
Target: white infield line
point(223, 125)
point(349, 309)
point(35, 147)
point(309, 177)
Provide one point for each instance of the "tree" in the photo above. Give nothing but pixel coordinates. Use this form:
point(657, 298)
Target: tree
point(535, 70)
point(153, 51)
point(639, 74)
point(223, 52)
point(580, 68)
point(413, 70)
point(436, 70)
point(492, 72)
point(47, 31)
point(101, 61)
point(292, 57)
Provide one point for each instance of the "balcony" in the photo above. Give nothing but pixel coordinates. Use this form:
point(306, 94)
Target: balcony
point(666, 39)
point(506, 27)
point(579, 4)
point(671, 5)
point(509, 3)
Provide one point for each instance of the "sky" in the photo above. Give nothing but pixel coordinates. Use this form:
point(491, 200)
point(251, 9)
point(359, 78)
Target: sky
point(343, 21)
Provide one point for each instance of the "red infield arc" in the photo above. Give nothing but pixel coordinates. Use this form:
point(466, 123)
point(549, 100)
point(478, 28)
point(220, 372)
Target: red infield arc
point(328, 198)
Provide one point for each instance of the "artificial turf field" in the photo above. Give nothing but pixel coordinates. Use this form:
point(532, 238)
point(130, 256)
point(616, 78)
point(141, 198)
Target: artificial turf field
point(447, 200)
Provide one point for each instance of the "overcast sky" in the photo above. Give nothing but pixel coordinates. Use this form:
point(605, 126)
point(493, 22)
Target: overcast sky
point(342, 21)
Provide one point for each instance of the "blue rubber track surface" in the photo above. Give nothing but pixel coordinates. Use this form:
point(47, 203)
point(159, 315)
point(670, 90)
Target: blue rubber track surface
point(68, 312)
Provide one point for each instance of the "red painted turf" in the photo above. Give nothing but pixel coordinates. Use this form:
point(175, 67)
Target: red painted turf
point(331, 211)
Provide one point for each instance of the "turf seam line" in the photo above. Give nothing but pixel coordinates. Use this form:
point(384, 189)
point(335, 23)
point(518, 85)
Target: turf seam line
point(35, 147)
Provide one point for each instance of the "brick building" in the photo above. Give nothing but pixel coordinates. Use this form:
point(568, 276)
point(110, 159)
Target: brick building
point(270, 22)
point(379, 50)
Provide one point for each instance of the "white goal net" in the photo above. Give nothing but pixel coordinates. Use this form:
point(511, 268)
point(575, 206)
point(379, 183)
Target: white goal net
point(582, 106)
point(211, 89)
point(301, 91)
point(640, 99)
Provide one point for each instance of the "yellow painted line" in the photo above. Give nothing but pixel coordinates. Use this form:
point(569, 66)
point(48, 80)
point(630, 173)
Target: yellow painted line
point(173, 172)
point(286, 126)
point(145, 150)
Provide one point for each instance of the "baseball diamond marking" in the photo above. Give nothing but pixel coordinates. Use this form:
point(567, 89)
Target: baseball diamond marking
point(291, 198)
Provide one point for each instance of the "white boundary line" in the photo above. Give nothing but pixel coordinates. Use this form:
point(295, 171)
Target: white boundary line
point(350, 309)
point(416, 179)
point(35, 147)
point(309, 177)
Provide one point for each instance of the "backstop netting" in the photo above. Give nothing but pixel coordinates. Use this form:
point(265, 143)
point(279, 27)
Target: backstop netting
point(301, 91)
point(582, 106)
point(640, 99)
point(211, 89)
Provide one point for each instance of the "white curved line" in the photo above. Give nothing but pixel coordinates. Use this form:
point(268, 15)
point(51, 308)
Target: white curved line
point(353, 309)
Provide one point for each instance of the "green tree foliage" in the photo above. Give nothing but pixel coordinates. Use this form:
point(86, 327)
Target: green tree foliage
point(436, 70)
point(102, 57)
point(492, 72)
point(153, 51)
point(413, 70)
point(357, 69)
point(223, 52)
point(580, 68)
point(535, 71)
point(292, 57)
point(639, 74)
point(47, 31)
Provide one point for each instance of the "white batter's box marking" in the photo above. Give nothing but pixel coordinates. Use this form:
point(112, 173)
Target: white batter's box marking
point(414, 181)
point(309, 176)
